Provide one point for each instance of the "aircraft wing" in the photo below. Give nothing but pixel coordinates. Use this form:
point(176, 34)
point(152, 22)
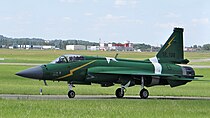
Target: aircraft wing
point(119, 71)
point(135, 72)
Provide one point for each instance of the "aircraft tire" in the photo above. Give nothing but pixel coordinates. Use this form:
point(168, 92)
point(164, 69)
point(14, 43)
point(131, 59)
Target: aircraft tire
point(118, 93)
point(71, 94)
point(144, 93)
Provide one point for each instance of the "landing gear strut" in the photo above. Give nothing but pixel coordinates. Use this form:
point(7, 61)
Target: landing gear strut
point(144, 92)
point(71, 93)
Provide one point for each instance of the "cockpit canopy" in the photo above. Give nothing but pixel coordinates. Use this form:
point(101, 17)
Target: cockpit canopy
point(68, 59)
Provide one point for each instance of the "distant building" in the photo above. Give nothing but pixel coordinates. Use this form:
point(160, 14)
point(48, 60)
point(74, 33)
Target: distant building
point(24, 46)
point(3, 46)
point(93, 48)
point(121, 47)
point(11, 47)
point(137, 50)
point(47, 47)
point(190, 49)
point(75, 47)
point(37, 47)
point(127, 46)
point(102, 45)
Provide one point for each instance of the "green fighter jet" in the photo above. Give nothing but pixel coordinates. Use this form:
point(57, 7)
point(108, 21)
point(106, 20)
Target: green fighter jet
point(168, 67)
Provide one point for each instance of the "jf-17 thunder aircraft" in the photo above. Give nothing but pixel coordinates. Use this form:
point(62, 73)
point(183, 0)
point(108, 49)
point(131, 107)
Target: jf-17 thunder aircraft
point(168, 67)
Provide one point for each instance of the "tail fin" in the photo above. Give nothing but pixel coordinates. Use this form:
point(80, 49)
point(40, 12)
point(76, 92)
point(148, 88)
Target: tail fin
point(172, 50)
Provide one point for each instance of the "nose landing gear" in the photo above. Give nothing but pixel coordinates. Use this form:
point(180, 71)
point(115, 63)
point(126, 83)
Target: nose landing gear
point(71, 93)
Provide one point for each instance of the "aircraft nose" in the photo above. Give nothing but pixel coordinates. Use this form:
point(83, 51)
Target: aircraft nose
point(34, 73)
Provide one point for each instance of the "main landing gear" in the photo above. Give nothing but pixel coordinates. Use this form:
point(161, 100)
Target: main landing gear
point(71, 93)
point(120, 91)
point(143, 93)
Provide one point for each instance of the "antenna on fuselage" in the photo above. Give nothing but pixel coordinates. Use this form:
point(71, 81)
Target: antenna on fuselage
point(116, 56)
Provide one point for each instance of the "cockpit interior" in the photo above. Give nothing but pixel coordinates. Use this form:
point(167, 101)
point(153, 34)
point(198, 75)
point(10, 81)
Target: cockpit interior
point(68, 59)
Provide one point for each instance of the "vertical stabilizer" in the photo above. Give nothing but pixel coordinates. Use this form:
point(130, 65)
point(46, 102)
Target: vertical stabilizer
point(172, 50)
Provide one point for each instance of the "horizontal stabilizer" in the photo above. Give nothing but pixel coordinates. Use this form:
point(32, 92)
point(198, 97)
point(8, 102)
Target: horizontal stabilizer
point(185, 78)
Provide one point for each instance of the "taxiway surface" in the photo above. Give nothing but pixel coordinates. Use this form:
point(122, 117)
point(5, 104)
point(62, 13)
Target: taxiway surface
point(92, 97)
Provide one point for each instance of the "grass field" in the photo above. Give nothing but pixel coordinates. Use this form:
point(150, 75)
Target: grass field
point(151, 108)
point(116, 108)
point(46, 56)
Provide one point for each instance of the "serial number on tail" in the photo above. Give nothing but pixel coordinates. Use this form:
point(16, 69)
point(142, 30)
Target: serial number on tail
point(169, 55)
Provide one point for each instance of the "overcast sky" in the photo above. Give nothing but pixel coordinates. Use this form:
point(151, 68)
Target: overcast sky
point(139, 21)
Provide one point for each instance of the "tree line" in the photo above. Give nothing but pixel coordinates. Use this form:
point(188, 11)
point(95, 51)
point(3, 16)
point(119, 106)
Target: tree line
point(58, 43)
point(61, 44)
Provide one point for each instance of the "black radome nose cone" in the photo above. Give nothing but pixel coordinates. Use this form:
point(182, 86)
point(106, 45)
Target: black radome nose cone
point(34, 73)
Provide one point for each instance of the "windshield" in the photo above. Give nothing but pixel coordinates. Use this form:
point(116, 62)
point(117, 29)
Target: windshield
point(68, 59)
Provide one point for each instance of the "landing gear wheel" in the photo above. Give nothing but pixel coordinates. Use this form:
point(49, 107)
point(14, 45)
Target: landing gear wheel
point(71, 94)
point(144, 93)
point(119, 93)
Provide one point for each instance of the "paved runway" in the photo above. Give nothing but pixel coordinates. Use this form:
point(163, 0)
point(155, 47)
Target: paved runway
point(92, 97)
